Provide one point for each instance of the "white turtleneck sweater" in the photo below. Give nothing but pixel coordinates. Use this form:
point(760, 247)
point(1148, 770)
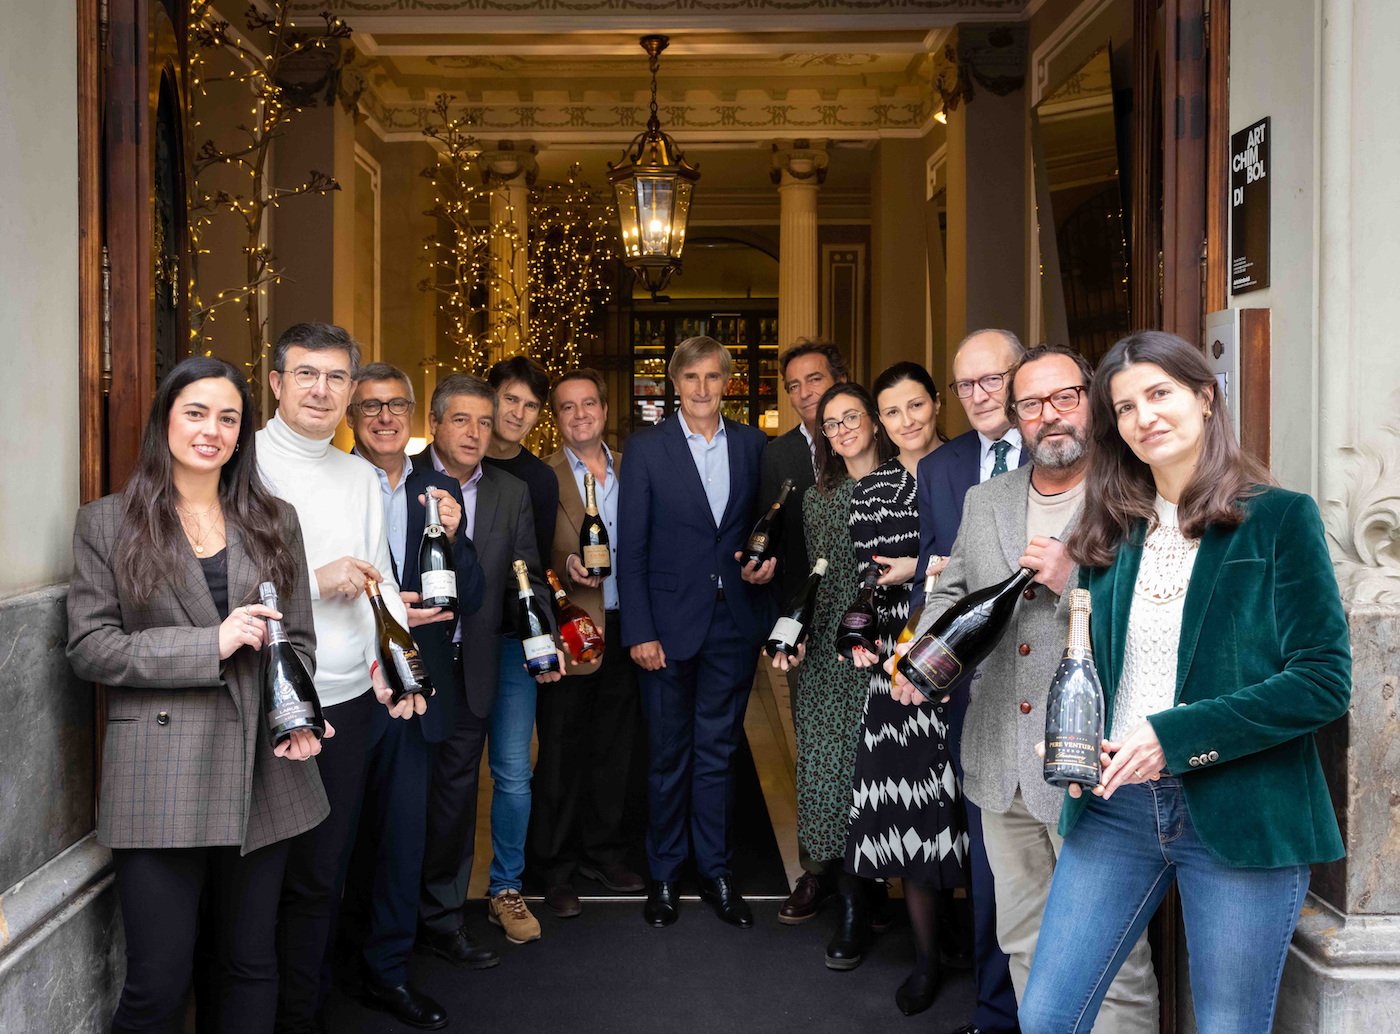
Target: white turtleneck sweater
point(336, 496)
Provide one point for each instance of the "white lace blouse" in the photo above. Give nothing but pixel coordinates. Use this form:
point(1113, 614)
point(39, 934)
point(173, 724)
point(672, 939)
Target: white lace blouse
point(1148, 683)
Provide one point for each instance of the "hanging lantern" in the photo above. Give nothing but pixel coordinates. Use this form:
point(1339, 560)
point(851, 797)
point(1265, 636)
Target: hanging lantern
point(652, 183)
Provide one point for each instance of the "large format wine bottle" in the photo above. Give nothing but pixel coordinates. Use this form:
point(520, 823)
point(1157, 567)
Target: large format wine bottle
point(791, 628)
point(858, 627)
point(962, 636)
point(593, 548)
point(1074, 708)
point(435, 562)
point(916, 614)
point(763, 540)
point(289, 696)
point(581, 637)
point(541, 655)
point(398, 653)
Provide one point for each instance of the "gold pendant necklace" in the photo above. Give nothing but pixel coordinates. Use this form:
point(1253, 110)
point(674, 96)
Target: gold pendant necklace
point(202, 534)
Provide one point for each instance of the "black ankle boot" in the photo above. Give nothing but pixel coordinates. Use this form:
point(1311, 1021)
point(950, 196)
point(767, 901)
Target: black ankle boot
point(919, 988)
point(853, 929)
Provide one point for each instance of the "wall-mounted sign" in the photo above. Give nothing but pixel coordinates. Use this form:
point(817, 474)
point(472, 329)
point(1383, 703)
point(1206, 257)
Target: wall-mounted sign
point(1249, 208)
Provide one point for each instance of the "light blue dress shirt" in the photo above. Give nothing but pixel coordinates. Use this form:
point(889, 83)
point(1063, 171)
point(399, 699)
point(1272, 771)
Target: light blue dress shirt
point(468, 524)
point(712, 462)
point(606, 493)
point(395, 512)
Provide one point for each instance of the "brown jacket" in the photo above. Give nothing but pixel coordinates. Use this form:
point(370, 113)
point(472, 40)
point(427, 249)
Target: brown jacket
point(186, 761)
point(566, 529)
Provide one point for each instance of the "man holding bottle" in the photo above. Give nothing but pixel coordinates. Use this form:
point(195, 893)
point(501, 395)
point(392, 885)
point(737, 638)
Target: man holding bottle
point(1011, 522)
point(587, 724)
point(693, 621)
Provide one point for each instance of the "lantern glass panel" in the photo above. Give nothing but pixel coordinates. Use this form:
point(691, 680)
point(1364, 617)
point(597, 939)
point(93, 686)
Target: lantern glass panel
point(655, 197)
point(626, 194)
point(681, 216)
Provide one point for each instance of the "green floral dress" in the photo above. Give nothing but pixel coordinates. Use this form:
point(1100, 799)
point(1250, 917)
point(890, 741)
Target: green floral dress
point(830, 692)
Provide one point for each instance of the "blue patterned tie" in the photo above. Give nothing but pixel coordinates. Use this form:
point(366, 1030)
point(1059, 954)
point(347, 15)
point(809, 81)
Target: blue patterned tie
point(1001, 448)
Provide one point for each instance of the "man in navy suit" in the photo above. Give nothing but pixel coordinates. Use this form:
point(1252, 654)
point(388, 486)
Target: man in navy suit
point(693, 620)
point(380, 910)
point(992, 447)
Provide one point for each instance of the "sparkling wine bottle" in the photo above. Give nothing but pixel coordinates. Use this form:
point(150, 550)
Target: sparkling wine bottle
point(963, 636)
point(791, 628)
point(289, 696)
point(916, 614)
point(858, 627)
point(541, 655)
point(763, 540)
point(399, 658)
point(1074, 710)
point(593, 547)
point(581, 637)
point(435, 562)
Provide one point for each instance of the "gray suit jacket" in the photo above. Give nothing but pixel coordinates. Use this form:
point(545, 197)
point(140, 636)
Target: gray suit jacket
point(204, 774)
point(998, 740)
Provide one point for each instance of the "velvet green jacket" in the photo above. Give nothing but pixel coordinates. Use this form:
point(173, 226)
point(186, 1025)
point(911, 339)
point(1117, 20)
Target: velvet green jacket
point(1264, 661)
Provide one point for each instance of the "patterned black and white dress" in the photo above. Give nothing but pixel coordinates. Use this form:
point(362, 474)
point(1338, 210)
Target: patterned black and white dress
point(906, 810)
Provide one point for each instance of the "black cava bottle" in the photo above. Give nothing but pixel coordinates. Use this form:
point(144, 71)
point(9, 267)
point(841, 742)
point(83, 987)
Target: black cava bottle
point(858, 627)
point(791, 628)
point(289, 696)
point(593, 546)
point(1074, 708)
point(439, 588)
point(541, 655)
point(963, 636)
point(398, 653)
point(763, 540)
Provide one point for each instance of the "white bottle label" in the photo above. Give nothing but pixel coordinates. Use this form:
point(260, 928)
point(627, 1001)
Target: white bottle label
point(787, 630)
point(596, 556)
point(539, 646)
point(439, 583)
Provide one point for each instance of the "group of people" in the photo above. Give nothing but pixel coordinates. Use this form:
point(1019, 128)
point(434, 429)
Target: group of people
point(263, 873)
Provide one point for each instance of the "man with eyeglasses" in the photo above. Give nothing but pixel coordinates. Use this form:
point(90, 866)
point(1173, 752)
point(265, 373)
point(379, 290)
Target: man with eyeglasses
point(1028, 510)
point(337, 500)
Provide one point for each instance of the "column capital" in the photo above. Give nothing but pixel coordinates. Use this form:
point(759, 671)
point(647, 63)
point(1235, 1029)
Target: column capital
point(799, 161)
point(509, 162)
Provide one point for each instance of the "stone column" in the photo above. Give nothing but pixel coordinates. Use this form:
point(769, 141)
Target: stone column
point(509, 170)
point(799, 167)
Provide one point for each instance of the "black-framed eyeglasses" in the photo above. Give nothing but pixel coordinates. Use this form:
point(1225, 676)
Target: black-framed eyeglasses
point(991, 383)
point(831, 428)
point(1064, 400)
point(306, 378)
point(372, 407)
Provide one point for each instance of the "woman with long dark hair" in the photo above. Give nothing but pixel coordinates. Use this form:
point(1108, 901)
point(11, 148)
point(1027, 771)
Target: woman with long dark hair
point(1222, 648)
point(194, 800)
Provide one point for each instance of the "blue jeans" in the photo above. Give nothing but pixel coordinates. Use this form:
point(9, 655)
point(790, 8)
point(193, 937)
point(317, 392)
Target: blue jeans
point(508, 750)
point(1114, 870)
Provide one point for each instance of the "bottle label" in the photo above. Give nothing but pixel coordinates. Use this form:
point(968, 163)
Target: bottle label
point(1068, 751)
point(932, 658)
point(586, 628)
point(538, 646)
point(596, 556)
point(410, 668)
point(856, 619)
point(758, 542)
point(294, 714)
point(786, 631)
point(437, 584)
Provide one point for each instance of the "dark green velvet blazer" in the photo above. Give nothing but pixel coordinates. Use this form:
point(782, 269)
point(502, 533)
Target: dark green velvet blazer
point(1264, 661)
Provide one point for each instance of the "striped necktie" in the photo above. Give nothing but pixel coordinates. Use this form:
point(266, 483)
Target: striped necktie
point(1001, 448)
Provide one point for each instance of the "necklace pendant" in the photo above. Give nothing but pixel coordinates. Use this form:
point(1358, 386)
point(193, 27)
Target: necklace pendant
point(199, 550)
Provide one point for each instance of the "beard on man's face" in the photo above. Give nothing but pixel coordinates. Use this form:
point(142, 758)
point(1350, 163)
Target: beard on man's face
point(1068, 447)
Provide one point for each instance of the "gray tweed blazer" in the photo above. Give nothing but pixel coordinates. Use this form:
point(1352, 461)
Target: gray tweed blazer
point(998, 740)
point(186, 761)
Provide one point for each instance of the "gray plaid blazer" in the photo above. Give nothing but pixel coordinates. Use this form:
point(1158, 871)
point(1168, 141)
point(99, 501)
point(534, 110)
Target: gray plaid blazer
point(205, 775)
point(998, 741)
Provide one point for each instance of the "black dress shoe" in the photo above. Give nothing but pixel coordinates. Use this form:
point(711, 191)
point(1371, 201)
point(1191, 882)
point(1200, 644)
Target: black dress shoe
point(405, 1004)
point(458, 947)
point(663, 903)
point(806, 900)
point(562, 901)
point(719, 894)
point(917, 992)
point(615, 876)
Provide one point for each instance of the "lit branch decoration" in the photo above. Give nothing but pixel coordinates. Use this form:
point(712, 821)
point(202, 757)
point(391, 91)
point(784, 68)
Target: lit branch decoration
point(262, 55)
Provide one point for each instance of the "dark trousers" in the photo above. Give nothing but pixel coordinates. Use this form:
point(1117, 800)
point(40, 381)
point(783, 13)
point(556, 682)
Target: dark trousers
point(996, 997)
point(451, 838)
point(695, 713)
point(159, 892)
point(319, 860)
point(587, 726)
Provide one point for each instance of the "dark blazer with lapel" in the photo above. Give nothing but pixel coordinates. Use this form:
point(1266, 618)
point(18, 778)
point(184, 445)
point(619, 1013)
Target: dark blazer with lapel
point(671, 555)
point(566, 541)
point(435, 640)
point(206, 775)
point(503, 530)
point(1264, 662)
point(788, 456)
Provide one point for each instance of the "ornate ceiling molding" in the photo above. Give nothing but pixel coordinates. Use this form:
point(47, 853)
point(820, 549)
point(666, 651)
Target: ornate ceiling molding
point(624, 8)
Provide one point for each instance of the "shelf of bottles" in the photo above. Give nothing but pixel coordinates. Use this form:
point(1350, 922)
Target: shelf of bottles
point(750, 397)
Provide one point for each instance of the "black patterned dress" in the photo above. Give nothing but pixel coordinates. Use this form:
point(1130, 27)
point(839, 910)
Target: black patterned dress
point(906, 809)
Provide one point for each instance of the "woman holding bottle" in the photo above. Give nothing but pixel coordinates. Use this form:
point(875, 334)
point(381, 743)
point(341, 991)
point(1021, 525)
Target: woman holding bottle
point(831, 693)
point(194, 798)
point(899, 745)
point(1222, 648)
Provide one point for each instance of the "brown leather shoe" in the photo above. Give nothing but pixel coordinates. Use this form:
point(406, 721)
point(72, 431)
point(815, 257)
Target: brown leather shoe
point(562, 901)
point(806, 899)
